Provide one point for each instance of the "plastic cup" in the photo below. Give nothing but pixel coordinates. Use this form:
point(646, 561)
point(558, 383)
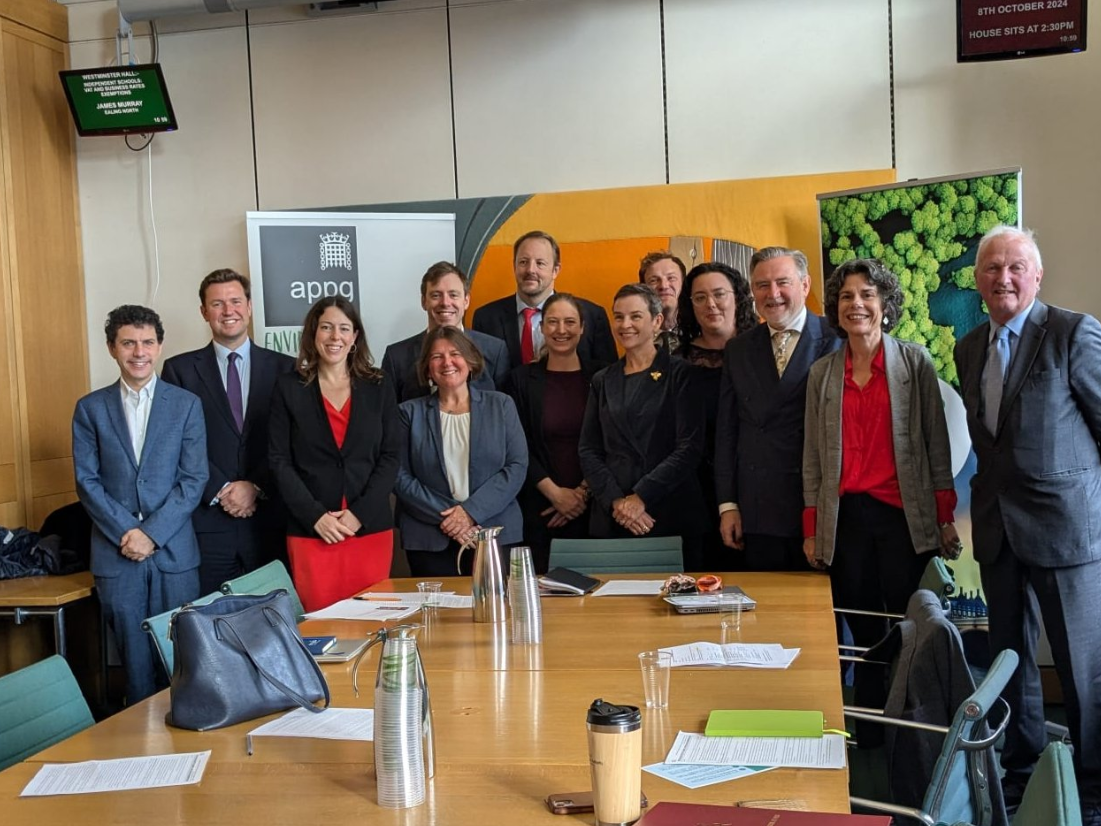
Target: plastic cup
point(730, 612)
point(431, 593)
point(656, 666)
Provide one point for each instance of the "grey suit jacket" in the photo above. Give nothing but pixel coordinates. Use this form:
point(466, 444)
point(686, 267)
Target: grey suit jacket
point(399, 363)
point(759, 432)
point(498, 467)
point(163, 485)
point(923, 458)
point(1039, 476)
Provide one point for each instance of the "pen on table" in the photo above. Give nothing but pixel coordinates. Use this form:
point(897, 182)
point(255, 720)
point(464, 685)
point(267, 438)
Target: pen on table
point(248, 744)
point(369, 598)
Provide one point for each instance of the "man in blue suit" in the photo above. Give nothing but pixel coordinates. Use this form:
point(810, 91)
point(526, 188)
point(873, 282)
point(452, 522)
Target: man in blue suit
point(1031, 383)
point(762, 400)
point(445, 295)
point(139, 455)
point(239, 522)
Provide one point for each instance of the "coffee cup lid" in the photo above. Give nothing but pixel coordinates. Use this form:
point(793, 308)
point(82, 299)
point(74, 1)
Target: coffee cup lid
point(602, 713)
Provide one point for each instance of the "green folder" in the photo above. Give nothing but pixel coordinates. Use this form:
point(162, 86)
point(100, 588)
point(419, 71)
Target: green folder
point(757, 723)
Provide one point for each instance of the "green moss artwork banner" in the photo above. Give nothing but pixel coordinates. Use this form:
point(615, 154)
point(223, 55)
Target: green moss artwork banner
point(926, 232)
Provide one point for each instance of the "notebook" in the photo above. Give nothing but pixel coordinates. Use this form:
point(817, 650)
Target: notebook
point(342, 651)
point(765, 723)
point(319, 645)
point(563, 581)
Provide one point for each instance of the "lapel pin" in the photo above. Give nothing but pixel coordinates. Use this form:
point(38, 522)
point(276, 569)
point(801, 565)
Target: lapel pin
point(655, 375)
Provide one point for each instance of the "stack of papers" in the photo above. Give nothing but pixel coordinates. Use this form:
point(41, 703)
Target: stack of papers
point(123, 774)
point(387, 606)
point(630, 588)
point(746, 655)
point(330, 724)
point(825, 752)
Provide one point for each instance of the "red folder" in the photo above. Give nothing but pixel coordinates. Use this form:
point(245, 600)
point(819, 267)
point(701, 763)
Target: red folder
point(700, 814)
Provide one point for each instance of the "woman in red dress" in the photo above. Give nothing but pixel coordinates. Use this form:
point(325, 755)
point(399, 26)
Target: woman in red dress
point(334, 454)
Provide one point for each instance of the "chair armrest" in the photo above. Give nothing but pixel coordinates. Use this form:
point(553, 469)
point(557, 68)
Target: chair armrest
point(891, 809)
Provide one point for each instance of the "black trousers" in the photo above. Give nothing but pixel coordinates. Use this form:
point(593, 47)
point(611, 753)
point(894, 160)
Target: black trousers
point(874, 568)
point(774, 553)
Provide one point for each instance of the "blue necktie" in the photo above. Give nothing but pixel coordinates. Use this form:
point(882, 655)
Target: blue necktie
point(233, 390)
point(997, 364)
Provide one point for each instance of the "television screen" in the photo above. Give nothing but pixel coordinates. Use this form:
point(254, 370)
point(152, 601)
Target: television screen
point(119, 100)
point(1005, 29)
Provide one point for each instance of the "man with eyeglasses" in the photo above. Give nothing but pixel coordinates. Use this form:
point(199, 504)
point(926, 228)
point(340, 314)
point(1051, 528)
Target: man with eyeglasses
point(762, 396)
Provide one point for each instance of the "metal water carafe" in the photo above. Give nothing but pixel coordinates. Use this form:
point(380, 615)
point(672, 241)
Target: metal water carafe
point(487, 580)
point(399, 649)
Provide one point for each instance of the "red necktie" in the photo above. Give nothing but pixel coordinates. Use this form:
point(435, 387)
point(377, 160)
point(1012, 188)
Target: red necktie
point(527, 343)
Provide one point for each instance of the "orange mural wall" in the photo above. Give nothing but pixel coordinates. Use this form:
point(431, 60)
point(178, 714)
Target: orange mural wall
point(604, 233)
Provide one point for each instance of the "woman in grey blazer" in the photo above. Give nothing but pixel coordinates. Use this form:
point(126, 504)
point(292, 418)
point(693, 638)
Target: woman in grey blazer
point(464, 458)
point(877, 477)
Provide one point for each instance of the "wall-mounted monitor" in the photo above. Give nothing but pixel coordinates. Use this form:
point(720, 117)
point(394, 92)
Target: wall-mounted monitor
point(1008, 29)
point(119, 100)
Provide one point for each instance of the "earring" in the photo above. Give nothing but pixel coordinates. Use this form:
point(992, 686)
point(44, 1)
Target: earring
point(351, 350)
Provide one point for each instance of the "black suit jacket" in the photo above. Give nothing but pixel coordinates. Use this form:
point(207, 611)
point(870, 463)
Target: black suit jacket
point(527, 385)
point(499, 319)
point(759, 431)
point(232, 455)
point(314, 475)
point(661, 470)
point(399, 363)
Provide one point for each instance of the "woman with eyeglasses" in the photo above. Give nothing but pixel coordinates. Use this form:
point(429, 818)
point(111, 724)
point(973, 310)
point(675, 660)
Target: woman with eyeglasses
point(715, 305)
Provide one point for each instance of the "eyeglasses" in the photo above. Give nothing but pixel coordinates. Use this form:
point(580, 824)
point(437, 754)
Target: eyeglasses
point(719, 296)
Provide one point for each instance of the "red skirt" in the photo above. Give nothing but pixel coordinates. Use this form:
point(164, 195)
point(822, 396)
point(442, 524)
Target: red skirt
point(324, 574)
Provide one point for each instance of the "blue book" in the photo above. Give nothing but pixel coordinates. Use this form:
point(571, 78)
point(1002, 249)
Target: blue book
point(319, 645)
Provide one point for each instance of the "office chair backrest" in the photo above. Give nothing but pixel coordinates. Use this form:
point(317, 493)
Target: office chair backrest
point(264, 580)
point(1051, 796)
point(158, 628)
point(658, 554)
point(39, 705)
point(960, 788)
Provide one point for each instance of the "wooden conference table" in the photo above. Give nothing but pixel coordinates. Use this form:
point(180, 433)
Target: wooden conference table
point(44, 596)
point(510, 721)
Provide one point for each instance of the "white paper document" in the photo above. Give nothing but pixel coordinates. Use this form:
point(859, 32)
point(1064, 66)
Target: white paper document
point(743, 654)
point(330, 724)
point(630, 588)
point(118, 775)
point(358, 609)
point(455, 601)
point(825, 752)
point(696, 777)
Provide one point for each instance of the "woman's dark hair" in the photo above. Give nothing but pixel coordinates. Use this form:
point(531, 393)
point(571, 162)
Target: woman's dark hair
point(557, 298)
point(360, 364)
point(745, 316)
point(885, 283)
point(466, 347)
point(653, 303)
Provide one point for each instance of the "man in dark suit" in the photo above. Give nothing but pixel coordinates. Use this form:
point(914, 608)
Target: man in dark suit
point(664, 273)
point(239, 521)
point(1031, 383)
point(762, 399)
point(516, 319)
point(139, 457)
point(445, 295)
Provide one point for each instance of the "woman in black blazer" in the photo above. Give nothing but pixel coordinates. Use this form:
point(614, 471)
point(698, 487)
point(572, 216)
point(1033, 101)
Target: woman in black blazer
point(642, 438)
point(550, 396)
point(334, 448)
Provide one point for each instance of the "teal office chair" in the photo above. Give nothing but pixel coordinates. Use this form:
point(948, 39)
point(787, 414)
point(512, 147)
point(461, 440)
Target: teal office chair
point(264, 580)
point(159, 628)
point(1051, 796)
point(658, 554)
point(39, 705)
point(960, 786)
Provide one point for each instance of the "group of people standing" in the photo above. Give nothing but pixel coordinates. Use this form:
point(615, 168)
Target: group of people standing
point(801, 442)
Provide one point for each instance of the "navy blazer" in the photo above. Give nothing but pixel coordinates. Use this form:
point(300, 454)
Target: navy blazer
point(1039, 475)
point(399, 362)
point(662, 471)
point(759, 431)
point(313, 474)
point(155, 492)
point(231, 455)
point(499, 318)
point(498, 466)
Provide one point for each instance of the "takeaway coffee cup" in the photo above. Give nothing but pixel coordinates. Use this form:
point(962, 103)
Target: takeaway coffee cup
point(615, 761)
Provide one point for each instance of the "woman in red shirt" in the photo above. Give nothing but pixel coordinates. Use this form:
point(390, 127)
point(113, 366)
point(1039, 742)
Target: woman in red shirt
point(877, 474)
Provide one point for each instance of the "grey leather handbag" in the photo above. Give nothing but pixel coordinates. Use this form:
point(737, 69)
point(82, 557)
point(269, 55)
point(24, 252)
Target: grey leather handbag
point(238, 658)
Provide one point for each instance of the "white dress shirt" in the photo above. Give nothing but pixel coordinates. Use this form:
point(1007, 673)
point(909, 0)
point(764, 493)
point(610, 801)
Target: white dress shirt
point(136, 405)
point(244, 368)
point(536, 324)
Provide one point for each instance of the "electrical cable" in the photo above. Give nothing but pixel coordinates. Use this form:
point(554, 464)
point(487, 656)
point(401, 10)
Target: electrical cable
point(153, 224)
